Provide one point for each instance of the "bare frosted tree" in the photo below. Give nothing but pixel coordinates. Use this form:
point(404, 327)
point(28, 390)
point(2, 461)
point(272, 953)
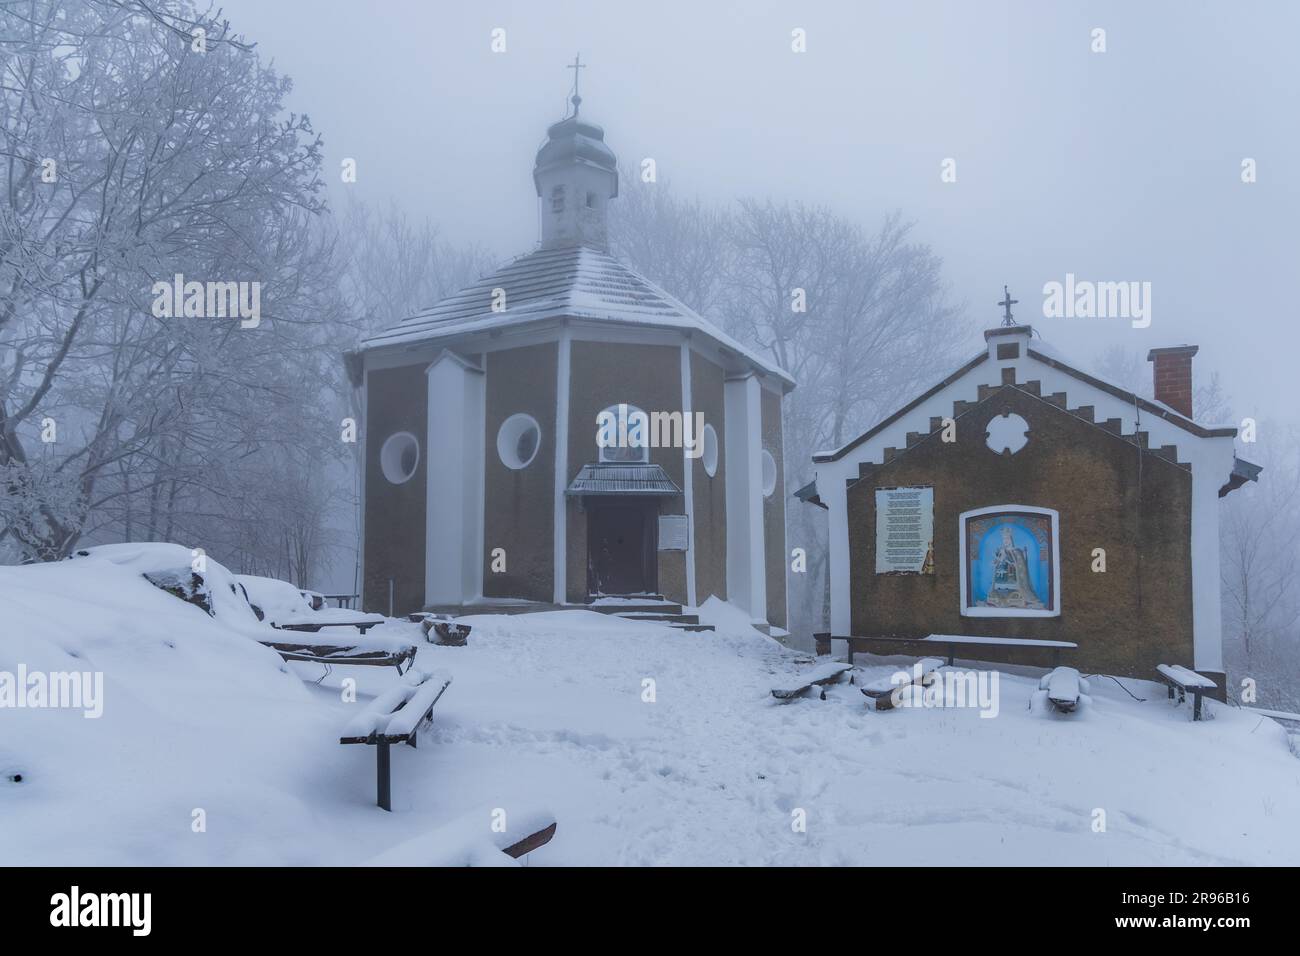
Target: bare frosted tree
point(856, 318)
point(391, 266)
point(1261, 575)
point(133, 154)
point(683, 245)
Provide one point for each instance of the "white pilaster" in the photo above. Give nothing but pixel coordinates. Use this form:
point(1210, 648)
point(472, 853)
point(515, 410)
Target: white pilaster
point(834, 494)
point(688, 472)
point(1209, 469)
point(746, 582)
point(453, 451)
point(560, 535)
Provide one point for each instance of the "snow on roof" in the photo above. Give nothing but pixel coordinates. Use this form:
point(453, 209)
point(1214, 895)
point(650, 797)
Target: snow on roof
point(610, 478)
point(1038, 350)
point(572, 281)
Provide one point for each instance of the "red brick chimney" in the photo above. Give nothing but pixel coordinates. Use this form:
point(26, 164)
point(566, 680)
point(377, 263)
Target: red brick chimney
point(1173, 376)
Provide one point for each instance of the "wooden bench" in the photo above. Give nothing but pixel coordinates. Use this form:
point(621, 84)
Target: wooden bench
point(953, 641)
point(313, 627)
point(531, 842)
point(1275, 714)
point(472, 840)
point(820, 676)
point(882, 691)
point(396, 717)
point(1064, 688)
point(1186, 681)
point(330, 654)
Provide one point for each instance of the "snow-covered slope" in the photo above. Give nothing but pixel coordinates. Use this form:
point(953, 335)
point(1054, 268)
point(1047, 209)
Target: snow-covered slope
point(651, 746)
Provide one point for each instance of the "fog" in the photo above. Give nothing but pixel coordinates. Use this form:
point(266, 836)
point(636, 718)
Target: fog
point(1114, 166)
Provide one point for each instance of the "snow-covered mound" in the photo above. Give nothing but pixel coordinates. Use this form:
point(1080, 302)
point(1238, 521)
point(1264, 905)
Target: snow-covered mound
point(183, 572)
point(278, 601)
point(651, 746)
point(191, 707)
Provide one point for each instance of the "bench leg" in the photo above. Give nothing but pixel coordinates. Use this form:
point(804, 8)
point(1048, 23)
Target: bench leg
point(1196, 705)
point(952, 653)
point(384, 777)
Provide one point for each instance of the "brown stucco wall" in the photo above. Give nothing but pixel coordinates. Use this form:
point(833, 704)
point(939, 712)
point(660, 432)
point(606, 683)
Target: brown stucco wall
point(602, 374)
point(710, 494)
point(774, 565)
point(396, 401)
point(1092, 478)
point(519, 514)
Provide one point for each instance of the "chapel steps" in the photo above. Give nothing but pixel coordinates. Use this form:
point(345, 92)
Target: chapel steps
point(653, 609)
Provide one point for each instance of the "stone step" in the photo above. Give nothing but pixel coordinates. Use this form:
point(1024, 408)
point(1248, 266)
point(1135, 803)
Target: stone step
point(673, 618)
point(647, 607)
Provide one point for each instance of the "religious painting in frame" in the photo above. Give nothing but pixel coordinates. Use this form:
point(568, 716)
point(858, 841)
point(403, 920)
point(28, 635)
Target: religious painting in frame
point(1011, 562)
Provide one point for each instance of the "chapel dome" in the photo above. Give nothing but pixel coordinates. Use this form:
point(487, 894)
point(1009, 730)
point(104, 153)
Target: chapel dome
point(574, 141)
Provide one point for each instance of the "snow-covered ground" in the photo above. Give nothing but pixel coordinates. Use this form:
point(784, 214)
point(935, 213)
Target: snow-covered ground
point(698, 766)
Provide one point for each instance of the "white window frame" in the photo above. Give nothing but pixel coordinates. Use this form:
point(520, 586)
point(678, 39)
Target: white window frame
point(503, 445)
point(964, 565)
point(601, 449)
point(386, 457)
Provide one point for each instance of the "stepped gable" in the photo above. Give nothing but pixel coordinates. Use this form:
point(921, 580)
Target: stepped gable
point(1057, 401)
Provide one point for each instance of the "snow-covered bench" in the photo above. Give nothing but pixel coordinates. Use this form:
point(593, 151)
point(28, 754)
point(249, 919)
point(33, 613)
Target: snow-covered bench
point(882, 691)
point(1186, 681)
point(1064, 688)
point(396, 717)
point(343, 652)
point(819, 676)
point(485, 837)
point(290, 608)
point(362, 624)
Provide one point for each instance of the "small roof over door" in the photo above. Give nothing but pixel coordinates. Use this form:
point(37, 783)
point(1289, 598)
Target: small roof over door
point(621, 478)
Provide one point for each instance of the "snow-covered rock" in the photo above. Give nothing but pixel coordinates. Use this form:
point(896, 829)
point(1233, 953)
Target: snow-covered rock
point(185, 573)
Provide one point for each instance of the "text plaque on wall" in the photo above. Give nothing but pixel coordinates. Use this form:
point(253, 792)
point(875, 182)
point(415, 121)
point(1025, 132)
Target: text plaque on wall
point(672, 533)
point(905, 531)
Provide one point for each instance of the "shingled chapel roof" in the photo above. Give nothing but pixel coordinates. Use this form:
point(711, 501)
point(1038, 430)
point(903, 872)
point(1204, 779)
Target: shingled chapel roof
point(565, 282)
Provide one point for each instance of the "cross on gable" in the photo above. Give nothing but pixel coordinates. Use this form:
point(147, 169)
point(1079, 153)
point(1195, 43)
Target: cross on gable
point(1006, 303)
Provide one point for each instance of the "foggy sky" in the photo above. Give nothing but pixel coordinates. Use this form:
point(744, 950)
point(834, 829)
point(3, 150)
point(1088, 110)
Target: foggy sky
point(1116, 166)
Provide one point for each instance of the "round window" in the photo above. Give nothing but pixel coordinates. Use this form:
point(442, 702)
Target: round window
point(769, 474)
point(399, 457)
point(710, 454)
point(518, 440)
